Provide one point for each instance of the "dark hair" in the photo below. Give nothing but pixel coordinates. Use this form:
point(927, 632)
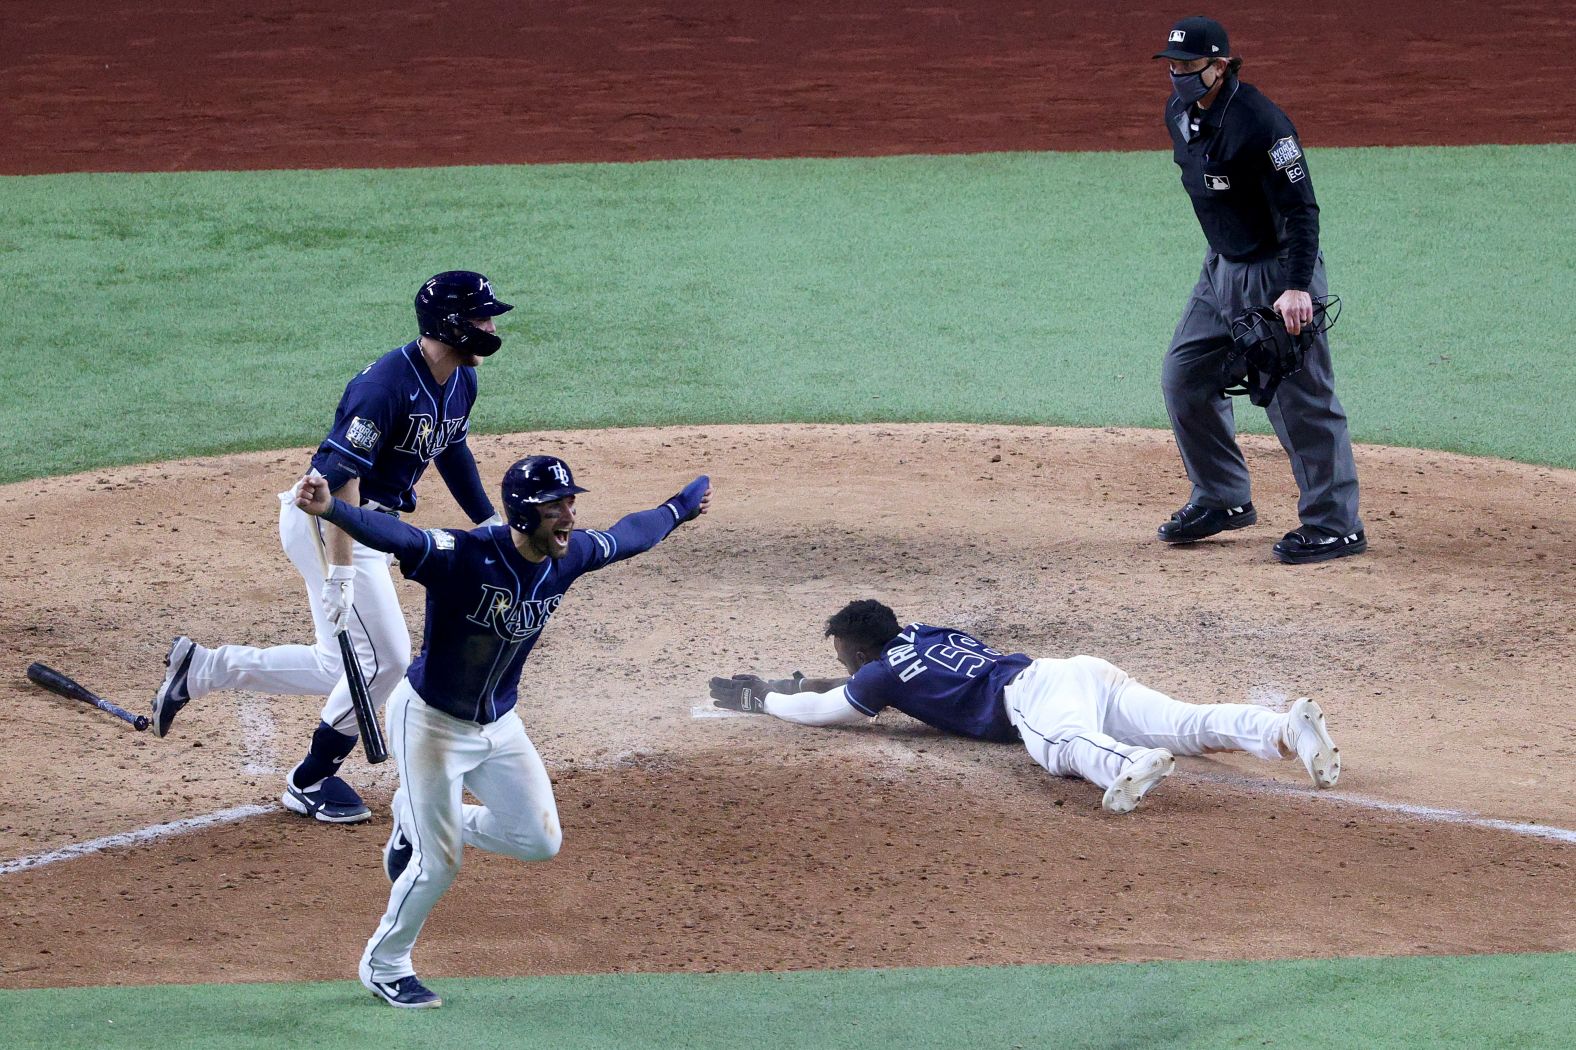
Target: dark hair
point(1232, 65)
point(865, 622)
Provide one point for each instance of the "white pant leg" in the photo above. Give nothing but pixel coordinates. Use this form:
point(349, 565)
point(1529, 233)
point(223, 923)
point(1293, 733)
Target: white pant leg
point(519, 816)
point(1059, 708)
point(433, 752)
point(1138, 714)
point(377, 630)
point(380, 637)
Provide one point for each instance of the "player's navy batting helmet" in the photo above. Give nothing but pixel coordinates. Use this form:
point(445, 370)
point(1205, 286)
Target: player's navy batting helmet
point(446, 304)
point(533, 481)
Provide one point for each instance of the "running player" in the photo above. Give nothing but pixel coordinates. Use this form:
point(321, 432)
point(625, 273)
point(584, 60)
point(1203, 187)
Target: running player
point(409, 408)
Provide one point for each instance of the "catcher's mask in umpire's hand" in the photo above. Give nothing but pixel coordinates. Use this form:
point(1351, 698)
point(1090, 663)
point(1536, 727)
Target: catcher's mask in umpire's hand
point(1263, 352)
point(531, 482)
point(448, 300)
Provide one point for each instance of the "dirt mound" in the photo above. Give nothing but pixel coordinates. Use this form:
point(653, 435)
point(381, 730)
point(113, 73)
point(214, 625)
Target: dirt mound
point(1440, 656)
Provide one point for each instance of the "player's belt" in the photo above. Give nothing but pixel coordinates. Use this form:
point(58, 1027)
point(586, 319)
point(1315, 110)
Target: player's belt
point(372, 504)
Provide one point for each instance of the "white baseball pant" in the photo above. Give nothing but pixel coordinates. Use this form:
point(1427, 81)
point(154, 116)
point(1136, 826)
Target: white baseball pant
point(439, 758)
point(1085, 717)
point(377, 630)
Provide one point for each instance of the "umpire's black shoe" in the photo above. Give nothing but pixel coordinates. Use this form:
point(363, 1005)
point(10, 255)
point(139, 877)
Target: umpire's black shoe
point(1194, 522)
point(1309, 544)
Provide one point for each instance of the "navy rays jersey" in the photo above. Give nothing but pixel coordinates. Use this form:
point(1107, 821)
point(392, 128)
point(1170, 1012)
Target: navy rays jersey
point(486, 604)
point(944, 678)
point(393, 420)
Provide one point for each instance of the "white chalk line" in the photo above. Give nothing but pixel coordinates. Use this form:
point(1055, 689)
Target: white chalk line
point(1432, 813)
point(228, 816)
point(1275, 787)
point(132, 838)
point(257, 736)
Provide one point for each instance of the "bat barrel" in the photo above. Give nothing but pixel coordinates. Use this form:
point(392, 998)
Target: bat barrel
point(68, 687)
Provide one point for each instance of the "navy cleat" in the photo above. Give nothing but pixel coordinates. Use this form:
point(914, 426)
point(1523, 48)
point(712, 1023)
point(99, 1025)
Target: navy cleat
point(173, 694)
point(396, 854)
point(331, 800)
point(407, 992)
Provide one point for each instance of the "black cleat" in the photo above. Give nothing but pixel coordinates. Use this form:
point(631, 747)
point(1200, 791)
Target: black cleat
point(1194, 522)
point(1310, 545)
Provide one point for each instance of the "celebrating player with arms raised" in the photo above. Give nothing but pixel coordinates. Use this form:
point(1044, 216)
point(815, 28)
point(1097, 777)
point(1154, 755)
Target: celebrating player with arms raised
point(451, 721)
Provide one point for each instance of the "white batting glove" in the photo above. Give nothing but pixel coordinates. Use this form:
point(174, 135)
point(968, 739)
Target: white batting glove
point(339, 592)
point(496, 519)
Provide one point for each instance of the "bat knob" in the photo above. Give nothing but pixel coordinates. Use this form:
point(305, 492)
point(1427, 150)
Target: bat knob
point(141, 723)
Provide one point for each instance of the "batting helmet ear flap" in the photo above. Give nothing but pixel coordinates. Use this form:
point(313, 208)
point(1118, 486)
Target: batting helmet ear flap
point(446, 301)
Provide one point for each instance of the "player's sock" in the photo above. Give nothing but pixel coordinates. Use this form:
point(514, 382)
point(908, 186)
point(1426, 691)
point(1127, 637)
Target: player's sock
point(329, 748)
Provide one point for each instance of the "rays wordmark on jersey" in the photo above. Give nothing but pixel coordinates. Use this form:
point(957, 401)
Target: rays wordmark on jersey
point(426, 437)
point(509, 619)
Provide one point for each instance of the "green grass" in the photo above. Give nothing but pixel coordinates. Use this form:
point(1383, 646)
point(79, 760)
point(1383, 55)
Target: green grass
point(1501, 1002)
point(155, 316)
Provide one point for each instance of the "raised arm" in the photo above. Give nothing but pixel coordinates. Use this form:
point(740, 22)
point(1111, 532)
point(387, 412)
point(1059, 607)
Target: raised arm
point(639, 532)
point(381, 532)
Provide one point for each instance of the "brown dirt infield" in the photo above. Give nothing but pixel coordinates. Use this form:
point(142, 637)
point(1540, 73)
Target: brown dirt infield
point(1439, 656)
point(1443, 655)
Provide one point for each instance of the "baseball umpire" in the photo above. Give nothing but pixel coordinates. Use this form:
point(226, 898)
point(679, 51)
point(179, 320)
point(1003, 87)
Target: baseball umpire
point(1079, 717)
point(409, 408)
point(1244, 169)
point(453, 724)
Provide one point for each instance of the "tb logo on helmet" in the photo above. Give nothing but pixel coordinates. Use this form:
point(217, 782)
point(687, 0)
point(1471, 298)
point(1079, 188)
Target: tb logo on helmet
point(533, 481)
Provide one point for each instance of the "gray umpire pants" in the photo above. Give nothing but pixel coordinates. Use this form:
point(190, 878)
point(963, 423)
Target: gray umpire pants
point(1306, 415)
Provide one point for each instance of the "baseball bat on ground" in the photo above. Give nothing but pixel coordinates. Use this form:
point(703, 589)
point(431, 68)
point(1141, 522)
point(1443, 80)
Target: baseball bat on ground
point(66, 686)
point(361, 701)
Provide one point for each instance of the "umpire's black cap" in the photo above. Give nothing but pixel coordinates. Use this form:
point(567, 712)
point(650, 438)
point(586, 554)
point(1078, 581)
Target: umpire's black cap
point(1196, 37)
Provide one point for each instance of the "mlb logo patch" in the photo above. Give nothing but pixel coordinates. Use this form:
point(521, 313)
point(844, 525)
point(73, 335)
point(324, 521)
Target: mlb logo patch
point(1285, 153)
point(362, 433)
point(1217, 182)
point(1177, 36)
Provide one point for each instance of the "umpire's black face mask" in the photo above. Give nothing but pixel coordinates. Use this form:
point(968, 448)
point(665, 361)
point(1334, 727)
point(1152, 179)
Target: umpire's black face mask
point(1190, 87)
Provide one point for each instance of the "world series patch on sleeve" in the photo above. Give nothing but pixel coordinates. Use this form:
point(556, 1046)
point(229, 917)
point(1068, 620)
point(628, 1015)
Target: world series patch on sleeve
point(1284, 155)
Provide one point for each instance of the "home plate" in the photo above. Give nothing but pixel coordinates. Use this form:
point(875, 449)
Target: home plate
point(707, 711)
